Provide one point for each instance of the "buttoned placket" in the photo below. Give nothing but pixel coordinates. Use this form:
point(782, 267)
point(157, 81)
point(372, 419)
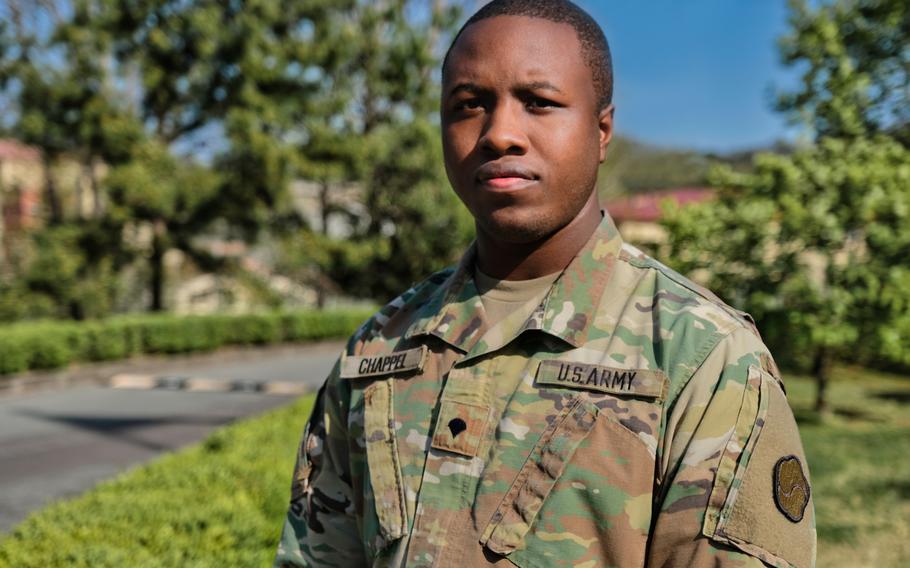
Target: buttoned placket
point(450, 476)
point(461, 436)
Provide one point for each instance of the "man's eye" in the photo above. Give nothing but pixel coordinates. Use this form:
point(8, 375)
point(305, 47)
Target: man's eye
point(468, 104)
point(537, 103)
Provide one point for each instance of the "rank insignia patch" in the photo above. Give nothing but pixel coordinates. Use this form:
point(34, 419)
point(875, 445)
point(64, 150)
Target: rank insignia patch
point(791, 488)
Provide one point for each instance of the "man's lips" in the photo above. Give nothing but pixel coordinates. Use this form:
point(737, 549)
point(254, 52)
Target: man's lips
point(503, 176)
point(507, 182)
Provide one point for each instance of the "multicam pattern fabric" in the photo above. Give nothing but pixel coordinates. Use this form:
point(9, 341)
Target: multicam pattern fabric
point(483, 456)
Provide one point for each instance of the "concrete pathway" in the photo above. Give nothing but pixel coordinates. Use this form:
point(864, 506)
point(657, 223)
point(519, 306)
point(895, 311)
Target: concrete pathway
point(58, 443)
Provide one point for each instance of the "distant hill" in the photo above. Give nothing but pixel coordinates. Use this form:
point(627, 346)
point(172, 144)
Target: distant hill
point(634, 167)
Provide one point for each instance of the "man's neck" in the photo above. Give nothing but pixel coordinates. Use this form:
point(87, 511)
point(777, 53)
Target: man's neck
point(524, 261)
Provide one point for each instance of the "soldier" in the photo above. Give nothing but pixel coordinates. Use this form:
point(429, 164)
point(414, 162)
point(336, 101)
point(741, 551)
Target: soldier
point(557, 398)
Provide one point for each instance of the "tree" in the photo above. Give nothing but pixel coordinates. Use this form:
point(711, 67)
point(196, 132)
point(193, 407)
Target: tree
point(341, 93)
point(371, 124)
point(815, 246)
point(165, 199)
point(59, 86)
point(856, 60)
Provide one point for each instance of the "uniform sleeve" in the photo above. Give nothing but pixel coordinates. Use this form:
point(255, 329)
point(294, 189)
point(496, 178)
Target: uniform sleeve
point(734, 487)
point(321, 527)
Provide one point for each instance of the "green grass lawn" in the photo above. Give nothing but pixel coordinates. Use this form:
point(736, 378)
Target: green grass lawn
point(859, 461)
point(221, 503)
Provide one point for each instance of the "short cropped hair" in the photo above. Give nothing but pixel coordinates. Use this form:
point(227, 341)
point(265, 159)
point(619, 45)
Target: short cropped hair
point(594, 47)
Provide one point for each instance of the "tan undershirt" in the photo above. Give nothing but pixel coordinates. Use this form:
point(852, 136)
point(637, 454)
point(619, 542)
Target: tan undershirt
point(502, 298)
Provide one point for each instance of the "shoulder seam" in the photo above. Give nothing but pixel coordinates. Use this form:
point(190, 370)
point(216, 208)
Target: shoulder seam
point(679, 279)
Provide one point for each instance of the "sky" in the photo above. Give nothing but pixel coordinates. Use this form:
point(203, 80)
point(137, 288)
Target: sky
point(697, 73)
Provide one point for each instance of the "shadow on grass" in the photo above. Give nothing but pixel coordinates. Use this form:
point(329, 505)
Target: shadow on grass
point(837, 532)
point(858, 414)
point(902, 397)
point(878, 487)
point(809, 416)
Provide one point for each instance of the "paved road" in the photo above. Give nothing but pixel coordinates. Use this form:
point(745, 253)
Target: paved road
point(57, 444)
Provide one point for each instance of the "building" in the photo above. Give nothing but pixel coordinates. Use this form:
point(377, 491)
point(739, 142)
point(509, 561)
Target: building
point(638, 216)
point(21, 180)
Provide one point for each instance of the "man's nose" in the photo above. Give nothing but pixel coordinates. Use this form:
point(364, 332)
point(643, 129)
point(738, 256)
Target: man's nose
point(504, 133)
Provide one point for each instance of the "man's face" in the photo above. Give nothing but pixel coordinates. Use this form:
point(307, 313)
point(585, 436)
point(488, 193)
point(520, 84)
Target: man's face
point(521, 130)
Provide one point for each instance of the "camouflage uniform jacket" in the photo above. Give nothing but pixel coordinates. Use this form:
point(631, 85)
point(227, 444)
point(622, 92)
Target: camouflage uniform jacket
point(632, 420)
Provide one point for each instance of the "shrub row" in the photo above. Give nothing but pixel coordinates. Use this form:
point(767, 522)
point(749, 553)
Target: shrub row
point(54, 344)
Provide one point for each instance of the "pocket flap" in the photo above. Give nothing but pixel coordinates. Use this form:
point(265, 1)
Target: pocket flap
point(382, 460)
point(515, 515)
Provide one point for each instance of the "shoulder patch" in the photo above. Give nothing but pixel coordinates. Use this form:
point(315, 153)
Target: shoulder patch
point(791, 488)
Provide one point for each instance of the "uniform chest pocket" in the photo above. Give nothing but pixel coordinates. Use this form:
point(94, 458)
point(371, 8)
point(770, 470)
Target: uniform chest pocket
point(585, 491)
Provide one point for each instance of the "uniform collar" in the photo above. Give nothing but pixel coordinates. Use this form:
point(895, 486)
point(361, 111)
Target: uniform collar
point(454, 313)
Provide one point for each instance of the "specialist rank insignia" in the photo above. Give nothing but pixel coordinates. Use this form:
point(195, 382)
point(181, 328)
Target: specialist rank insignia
point(791, 488)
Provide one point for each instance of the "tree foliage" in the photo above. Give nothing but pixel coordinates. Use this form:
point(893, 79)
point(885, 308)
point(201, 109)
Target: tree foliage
point(815, 246)
point(207, 112)
point(854, 57)
point(373, 126)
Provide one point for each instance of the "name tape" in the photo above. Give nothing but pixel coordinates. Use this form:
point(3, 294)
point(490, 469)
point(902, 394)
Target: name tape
point(633, 382)
point(356, 367)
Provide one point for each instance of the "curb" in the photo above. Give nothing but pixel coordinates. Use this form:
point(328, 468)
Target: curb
point(26, 385)
point(131, 381)
point(101, 373)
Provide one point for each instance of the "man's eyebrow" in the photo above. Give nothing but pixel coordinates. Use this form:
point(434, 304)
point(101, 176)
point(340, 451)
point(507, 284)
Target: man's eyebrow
point(539, 86)
point(464, 87)
point(530, 86)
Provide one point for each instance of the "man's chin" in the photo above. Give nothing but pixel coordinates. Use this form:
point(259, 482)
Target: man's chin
point(515, 228)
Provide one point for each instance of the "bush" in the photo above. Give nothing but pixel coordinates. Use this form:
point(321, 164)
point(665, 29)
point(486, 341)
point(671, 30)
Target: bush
point(50, 345)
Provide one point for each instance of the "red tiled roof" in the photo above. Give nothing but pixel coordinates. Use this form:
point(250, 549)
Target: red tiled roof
point(14, 150)
point(646, 206)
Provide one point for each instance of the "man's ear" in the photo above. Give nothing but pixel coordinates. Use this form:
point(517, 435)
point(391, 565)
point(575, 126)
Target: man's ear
point(605, 124)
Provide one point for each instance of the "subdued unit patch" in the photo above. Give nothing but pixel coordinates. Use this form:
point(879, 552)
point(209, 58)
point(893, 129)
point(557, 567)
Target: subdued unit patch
point(791, 488)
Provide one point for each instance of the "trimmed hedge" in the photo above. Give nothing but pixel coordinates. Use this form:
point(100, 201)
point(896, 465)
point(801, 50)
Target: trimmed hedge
point(54, 344)
point(219, 503)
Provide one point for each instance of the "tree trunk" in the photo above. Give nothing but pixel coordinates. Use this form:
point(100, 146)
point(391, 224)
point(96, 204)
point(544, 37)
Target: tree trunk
point(324, 208)
point(321, 278)
point(96, 191)
point(157, 265)
point(51, 197)
point(821, 369)
point(80, 193)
